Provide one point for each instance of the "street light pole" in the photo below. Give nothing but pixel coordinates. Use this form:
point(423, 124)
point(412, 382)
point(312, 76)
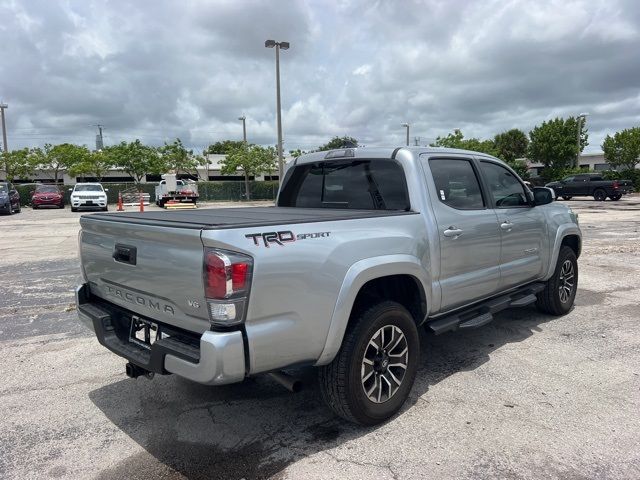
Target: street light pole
point(4, 127)
point(278, 46)
point(581, 117)
point(244, 128)
point(407, 126)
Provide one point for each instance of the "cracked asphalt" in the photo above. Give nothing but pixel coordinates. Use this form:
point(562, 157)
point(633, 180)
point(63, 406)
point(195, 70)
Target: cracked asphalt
point(527, 396)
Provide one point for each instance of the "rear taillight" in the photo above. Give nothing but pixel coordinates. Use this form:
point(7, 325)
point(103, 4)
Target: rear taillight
point(227, 280)
point(615, 185)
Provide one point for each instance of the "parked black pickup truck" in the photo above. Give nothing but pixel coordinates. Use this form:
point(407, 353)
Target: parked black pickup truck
point(591, 185)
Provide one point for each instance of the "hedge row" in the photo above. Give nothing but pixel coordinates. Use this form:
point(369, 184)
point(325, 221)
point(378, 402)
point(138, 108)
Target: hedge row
point(208, 191)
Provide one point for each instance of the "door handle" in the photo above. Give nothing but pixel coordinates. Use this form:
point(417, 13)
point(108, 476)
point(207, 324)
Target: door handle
point(506, 225)
point(452, 232)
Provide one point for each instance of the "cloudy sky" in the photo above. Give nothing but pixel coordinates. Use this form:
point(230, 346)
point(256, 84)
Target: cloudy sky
point(157, 70)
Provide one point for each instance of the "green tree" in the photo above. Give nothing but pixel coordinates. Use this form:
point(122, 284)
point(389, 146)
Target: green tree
point(96, 164)
point(511, 145)
point(135, 159)
point(57, 159)
point(251, 160)
point(19, 163)
point(223, 147)
point(177, 158)
point(338, 142)
point(296, 153)
point(622, 151)
point(554, 143)
point(456, 140)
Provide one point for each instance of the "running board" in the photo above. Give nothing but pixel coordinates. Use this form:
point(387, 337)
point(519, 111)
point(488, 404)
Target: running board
point(482, 313)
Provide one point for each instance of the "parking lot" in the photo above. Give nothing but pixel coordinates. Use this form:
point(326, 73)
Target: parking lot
point(527, 396)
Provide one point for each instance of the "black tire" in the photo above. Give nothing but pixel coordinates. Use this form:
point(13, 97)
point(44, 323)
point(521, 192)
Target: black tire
point(341, 384)
point(74, 209)
point(615, 198)
point(567, 197)
point(105, 209)
point(550, 299)
point(599, 195)
point(19, 208)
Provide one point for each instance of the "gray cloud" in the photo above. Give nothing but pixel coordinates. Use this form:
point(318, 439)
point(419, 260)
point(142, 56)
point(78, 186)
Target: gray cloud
point(157, 70)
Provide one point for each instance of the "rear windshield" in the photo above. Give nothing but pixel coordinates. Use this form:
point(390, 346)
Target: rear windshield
point(352, 184)
point(88, 188)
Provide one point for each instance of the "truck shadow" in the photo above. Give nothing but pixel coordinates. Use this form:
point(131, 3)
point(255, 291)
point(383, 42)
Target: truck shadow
point(256, 429)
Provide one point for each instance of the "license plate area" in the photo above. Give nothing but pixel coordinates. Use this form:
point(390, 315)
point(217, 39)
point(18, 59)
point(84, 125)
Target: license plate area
point(143, 332)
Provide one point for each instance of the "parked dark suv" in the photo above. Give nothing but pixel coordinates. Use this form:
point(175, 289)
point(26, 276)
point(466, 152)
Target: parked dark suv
point(9, 198)
point(47, 195)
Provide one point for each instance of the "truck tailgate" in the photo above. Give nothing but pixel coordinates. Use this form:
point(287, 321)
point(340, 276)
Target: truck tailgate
point(157, 273)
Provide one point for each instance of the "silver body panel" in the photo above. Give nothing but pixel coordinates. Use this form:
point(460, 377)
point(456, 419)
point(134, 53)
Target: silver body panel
point(303, 291)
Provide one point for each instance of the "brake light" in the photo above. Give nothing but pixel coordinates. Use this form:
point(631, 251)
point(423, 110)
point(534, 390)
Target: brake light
point(615, 184)
point(227, 280)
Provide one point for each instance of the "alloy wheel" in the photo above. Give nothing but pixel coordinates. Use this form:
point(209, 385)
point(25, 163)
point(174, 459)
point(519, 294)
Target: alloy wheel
point(384, 364)
point(567, 282)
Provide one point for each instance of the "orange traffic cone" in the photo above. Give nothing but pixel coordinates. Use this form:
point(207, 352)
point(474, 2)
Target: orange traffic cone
point(141, 203)
point(120, 206)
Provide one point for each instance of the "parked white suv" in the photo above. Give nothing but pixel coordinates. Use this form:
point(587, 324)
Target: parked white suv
point(88, 195)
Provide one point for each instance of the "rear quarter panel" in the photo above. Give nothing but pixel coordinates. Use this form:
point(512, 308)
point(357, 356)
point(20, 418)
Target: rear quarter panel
point(296, 286)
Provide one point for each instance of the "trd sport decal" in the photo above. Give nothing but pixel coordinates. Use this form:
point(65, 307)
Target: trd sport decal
point(280, 238)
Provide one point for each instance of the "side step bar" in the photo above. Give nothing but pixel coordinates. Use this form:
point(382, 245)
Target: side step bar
point(482, 313)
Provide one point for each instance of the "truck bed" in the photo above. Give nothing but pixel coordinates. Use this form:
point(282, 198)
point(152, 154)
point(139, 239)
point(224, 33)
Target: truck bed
point(224, 218)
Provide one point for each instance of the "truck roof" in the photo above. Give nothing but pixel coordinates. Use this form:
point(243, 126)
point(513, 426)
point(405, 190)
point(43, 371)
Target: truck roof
point(379, 152)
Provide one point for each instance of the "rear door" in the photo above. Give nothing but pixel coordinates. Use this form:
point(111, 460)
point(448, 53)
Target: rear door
point(523, 229)
point(468, 231)
point(581, 185)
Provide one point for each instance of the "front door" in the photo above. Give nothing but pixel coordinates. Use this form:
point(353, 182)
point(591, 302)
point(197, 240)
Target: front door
point(468, 232)
point(522, 226)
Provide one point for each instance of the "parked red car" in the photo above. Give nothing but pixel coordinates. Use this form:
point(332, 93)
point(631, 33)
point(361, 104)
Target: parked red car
point(47, 195)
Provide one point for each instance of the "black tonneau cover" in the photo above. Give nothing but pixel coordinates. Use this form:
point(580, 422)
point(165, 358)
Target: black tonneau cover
point(221, 218)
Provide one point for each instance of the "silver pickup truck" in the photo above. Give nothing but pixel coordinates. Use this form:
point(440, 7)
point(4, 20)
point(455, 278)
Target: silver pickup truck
point(364, 246)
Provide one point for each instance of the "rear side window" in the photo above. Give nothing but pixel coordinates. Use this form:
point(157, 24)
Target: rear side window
point(456, 183)
point(505, 188)
point(353, 184)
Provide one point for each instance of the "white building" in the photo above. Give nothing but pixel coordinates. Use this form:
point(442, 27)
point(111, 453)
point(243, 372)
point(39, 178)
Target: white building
point(210, 172)
point(590, 161)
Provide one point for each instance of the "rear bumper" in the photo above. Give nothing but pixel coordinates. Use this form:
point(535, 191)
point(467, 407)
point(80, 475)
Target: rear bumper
point(216, 359)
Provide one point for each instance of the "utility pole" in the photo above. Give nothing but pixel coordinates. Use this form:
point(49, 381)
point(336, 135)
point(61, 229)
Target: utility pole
point(406, 125)
point(416, 141)
point(3, 106)
point(99, 139)
point(278, 46)
point(244, 128)
point(582, 117)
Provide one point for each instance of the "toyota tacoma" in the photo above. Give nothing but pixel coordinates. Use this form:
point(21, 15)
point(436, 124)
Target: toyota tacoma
point(363, 247)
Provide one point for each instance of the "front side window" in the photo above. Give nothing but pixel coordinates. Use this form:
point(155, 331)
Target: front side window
point(352, 184)
point(456, 183)
point(504, 186)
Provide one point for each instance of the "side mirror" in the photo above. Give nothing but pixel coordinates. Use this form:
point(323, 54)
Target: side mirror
point(543, 195)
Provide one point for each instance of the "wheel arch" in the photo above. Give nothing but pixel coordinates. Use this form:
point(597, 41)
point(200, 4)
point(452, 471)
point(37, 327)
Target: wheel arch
point(568, 235)
point(392, 277)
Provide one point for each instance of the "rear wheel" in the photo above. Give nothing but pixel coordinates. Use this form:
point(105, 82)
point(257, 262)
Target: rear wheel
point(567, 197)
point(600, 195)
point(560, 290)
point(19, 208)
point(371, 376)
point(616, 197)
point(74, 209)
